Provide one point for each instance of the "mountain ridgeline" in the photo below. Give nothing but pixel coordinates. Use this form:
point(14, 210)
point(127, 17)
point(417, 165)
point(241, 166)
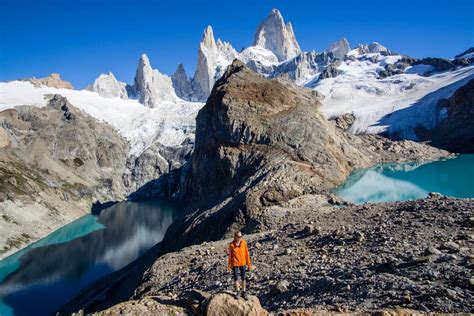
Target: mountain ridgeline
point(275, 52)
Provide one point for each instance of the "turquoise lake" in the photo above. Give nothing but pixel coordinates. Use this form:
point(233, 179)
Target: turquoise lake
point(51, 271)
point(409, 181)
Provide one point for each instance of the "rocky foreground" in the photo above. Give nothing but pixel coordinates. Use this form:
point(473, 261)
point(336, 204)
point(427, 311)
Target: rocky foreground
point(264, 162)
point(413, 255)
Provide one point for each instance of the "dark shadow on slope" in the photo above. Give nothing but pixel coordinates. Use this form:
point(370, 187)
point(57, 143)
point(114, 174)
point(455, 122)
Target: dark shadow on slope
point(406, 123)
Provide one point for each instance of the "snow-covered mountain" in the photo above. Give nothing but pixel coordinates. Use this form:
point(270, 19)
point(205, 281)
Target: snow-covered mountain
point(395, 104)
point(169, 123)
point(370, 81)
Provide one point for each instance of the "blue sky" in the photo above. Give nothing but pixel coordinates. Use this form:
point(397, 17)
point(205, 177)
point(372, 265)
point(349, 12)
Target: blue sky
point(82, 38)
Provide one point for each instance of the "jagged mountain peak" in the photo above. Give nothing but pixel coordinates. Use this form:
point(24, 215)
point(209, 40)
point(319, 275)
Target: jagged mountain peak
point(340, 48)
point(144, 61)
point(208, 37)
point(151, 86)
point(275, 35)
point(213, 58)
point(180, 69)
point(181, 83)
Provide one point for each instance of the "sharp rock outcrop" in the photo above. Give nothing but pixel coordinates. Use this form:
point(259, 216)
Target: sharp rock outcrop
point(276, 36)
point(260, 143)
point(213, 58)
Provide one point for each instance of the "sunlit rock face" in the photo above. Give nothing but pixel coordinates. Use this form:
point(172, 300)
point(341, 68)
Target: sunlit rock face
point(213, 59)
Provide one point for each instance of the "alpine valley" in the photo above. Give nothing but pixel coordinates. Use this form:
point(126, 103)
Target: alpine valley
point(255, 140)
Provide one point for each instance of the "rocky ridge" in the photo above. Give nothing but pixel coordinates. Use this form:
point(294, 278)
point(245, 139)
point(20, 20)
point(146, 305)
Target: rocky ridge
point(354, 258)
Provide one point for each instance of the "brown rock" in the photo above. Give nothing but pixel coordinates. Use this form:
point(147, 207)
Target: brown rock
point(53, 80)
point(224, 303)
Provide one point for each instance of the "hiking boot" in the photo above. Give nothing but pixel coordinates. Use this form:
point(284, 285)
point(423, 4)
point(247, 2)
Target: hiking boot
point(245, 295)
point(237, 294)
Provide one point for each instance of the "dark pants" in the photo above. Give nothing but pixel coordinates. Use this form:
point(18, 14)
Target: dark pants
point(242, 272)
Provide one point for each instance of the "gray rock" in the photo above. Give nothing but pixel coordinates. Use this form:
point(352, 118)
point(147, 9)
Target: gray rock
point(451, 245)
point(280, 287)
point(432, 251)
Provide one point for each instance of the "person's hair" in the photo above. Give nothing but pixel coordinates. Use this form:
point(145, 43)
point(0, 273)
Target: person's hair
point(237, 233)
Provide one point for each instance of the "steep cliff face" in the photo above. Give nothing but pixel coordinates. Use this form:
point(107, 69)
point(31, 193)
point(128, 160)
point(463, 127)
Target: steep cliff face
point(259, 144)
point(213, 59)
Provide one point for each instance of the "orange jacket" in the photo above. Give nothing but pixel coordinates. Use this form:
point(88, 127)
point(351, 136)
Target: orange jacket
point(239, 255)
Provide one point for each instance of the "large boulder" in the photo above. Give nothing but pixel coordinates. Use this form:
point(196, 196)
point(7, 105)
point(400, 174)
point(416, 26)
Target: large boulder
point(222, 304)
point(145, 306)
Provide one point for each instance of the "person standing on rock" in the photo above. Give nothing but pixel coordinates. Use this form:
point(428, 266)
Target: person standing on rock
point(239, 260)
